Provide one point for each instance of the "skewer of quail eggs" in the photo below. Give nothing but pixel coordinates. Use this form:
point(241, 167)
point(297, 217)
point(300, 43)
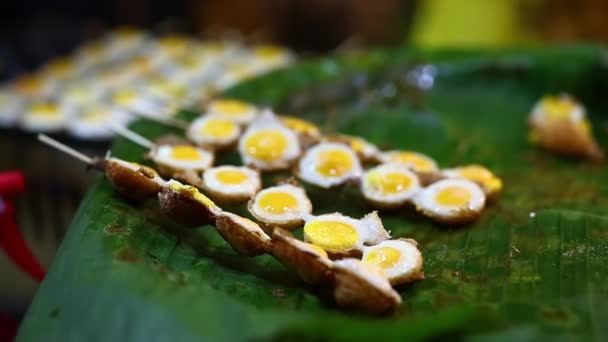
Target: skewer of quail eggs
point(360, 284)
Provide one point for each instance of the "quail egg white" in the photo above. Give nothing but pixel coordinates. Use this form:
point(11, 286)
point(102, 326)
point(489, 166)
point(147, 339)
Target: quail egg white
point(329, 164)
point(283, 206)
point(451, 201)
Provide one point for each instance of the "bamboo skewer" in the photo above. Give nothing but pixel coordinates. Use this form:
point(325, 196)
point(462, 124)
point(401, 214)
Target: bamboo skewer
point(64, 148)
point(132, 136)
point(168, 121)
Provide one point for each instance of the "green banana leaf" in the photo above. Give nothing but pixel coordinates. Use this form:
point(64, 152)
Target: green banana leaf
point(535, 266)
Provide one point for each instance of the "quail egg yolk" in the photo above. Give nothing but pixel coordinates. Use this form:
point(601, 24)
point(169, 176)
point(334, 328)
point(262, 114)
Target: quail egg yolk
point(172, 42)
point(482, 176)
point(185, 152)
point(317, 249)
point(453, 196)
point(29, 83)
point(47, 110)
point(300, 126)
point(558, 108)
point(383, 257)
point(218, 128)
point(268, 52)
point(192, 191)
point(419, 163)
point(95, 116)
point(267, 145)
point(389, 183)
point(334, 163)
point(125, 97)
point(231, 107)
point(358, 145)
point(278, 202)
point(231, 177)
point(331, 235)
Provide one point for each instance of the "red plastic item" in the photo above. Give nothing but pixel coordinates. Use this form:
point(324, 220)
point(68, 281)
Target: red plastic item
point(11, 184)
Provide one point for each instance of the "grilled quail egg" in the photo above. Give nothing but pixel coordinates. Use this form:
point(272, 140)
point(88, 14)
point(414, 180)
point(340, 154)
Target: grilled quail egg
point(234, 110)
point(231, 184)
point(283, 206)
point(389, 185)
point(489, 182)
point(214, 131)
point(44, 117)
point(308, 132)
point(366, 151)
point(451, 201)
point(340, 235)
point(174, 159)
point(559, 124)
point(329, 164)
point(362, 286)
point(309, 261)
point(187, 205)
point(245, 236)
point(400, 260)
point(268, 145)
point(132, 180)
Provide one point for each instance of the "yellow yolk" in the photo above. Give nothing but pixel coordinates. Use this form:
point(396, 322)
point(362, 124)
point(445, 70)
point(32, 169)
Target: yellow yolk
point(95, 116)
point(482, 176)
point(278, 202)
point(453, 196)
point(60, 66)
point(267, 145)
point(390, 182)
point(268, 52)
point(558, 107)
point(216, 128)
point(300, 126)
point(231, 177)
point(334, 163)
point(29, 83)
point(317, 249)
point(172, 42)
point(125, 97)
point(193, 192)
point(331, 235)
point(358, 145)
point(231, 107)
point(383, 257)
point(417, 162)
point(47, 110)
point(185, 152)
point(584, 126)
